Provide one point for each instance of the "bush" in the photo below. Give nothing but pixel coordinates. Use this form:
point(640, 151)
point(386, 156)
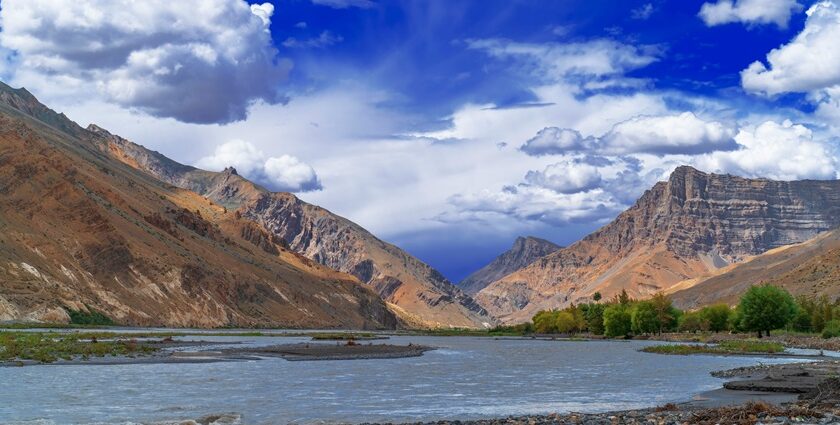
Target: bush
point(594, 316)
point(617, 321)
point(831, 329)
point(765, 308)
point(90, 317)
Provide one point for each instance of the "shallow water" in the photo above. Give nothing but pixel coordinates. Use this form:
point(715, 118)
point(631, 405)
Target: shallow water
point(465, 378)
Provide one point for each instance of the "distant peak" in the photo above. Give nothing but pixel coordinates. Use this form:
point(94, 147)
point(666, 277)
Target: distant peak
point(230, 171)
point(93, 128)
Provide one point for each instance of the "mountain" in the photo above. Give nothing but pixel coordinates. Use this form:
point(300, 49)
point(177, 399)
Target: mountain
point(81, 230)
point(811, 268)
point(688, 226)
point(525, 250)
point(418, 293)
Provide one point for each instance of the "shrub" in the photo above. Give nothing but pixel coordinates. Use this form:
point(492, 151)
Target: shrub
point(565, 323)
point(90, 317)
point(831, 329)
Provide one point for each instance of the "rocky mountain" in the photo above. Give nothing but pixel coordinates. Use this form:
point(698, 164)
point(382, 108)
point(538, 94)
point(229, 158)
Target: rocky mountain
point(811, 268)
point(81, 230)
point(525, 250)
point(417, 292)
point(683, 228)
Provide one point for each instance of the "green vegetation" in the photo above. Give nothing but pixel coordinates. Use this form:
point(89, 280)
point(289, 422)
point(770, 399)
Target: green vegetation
point(726, 347)
point(48, 347)
point(766, 307)
point(90, 317)
point(831, 329)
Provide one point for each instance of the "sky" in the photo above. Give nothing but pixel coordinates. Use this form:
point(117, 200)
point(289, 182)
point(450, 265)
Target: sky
point(448, 127)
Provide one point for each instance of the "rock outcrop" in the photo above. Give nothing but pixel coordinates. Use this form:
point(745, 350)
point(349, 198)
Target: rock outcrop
point(81, 230)
point(417, 292)
point(686, 227)
point(525, 250)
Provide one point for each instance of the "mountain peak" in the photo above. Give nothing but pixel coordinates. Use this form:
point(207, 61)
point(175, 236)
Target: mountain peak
point(230, 171)
point(525, 250)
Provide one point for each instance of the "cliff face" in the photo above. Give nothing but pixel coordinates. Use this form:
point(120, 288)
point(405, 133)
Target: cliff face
point(525, 250)
point(680, 229)
point(80, 229)
point(417, 292)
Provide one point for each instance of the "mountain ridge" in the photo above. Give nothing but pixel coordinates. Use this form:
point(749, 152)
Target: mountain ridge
point(525, 250)
point(682, 228)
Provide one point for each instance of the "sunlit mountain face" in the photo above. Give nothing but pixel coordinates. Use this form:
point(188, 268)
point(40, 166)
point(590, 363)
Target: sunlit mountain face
point(448, 128)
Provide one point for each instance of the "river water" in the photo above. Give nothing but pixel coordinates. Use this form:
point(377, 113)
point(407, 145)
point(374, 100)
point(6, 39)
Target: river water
point(465, 378)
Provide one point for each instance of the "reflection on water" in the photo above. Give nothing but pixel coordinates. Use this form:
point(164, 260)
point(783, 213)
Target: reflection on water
point(465, 378)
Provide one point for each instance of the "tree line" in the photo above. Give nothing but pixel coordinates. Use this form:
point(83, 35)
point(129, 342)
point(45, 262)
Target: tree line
point(761, 309)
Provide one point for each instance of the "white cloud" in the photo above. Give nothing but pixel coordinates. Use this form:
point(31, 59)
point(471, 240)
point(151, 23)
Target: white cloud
point(202, 61)
point(553, 141)
point(569, 176)
point(666, 134)
point(779, 151)
point(683, 133)
point(811, 61)
point(283, 173)
point(750, 12)
point(559, 61)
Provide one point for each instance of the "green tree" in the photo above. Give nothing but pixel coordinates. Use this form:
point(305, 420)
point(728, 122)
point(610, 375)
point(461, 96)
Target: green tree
point(594, 315)
point(596, 296)
point(832, 329)
point(643, 318)
point(565, 323)
point(665, 312)
point(693, 321)
point(617, 321)
point(717, 317)
point(766, 307)
point(545, 322)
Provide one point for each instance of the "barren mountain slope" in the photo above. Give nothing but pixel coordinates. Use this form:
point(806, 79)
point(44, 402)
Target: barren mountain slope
point(420, 294)
point(79, 229)
point(680, 229)
point(525, 250)
point(811, 268)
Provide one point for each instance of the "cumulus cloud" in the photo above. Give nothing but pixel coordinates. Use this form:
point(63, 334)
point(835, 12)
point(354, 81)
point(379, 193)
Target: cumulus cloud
point(197, 61)
point(570, 176)
point(668, 134)
point(811, 61)
point(779, 151)
point(751, 12)
point(574, 190)
point(553, 141)
point(683, 133)
point(283, 173)
point(345, 4)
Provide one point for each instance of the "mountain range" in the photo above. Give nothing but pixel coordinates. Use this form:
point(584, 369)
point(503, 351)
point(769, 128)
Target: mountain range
point(92, 221)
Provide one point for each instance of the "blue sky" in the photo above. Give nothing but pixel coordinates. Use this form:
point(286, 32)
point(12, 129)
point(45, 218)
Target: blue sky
point(449, 127)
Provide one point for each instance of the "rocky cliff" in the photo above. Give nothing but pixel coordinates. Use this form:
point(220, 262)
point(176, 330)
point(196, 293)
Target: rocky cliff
point(525, 250)
point(417, 292)
point(683, 228)
point(81, 230)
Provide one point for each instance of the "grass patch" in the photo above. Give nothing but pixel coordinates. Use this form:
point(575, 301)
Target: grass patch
point(725, 347)
point(47, 347)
